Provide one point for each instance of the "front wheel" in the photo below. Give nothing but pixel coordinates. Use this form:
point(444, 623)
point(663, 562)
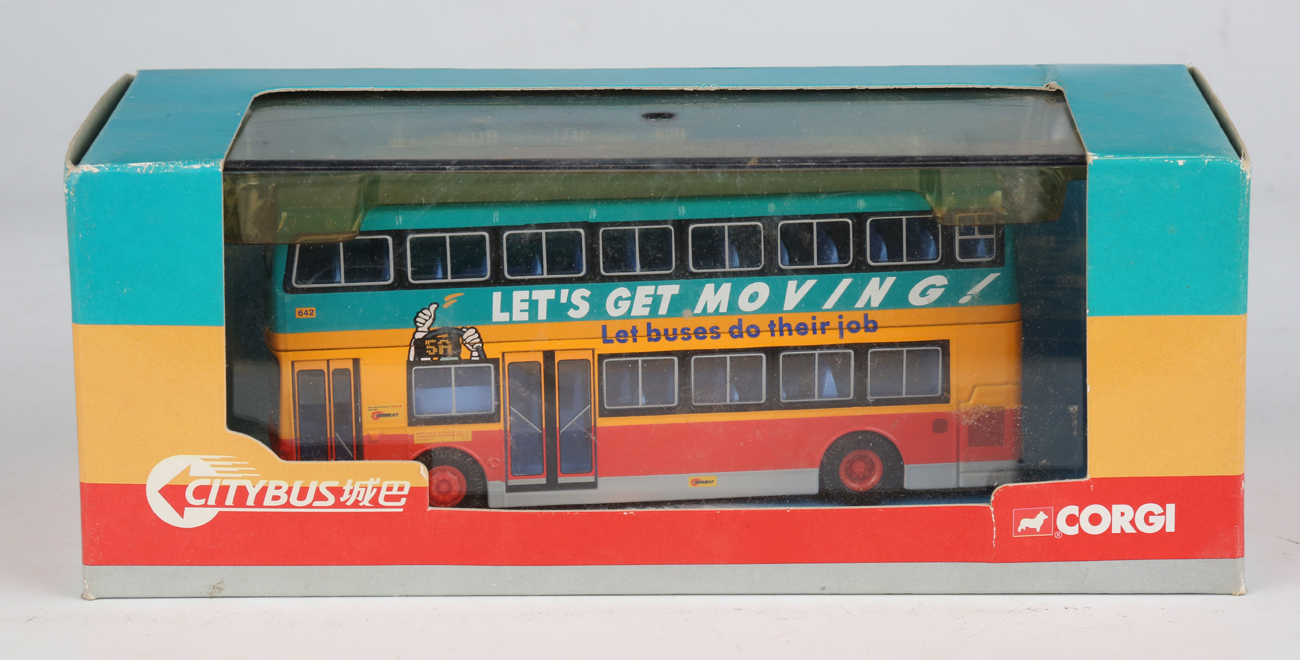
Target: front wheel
point(861, 468)
point(455, 479)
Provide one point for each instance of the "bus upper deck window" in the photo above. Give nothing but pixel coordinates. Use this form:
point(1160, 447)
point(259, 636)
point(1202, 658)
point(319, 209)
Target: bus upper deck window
point(913, 240)
point(976, 243)
point(627, 250)
point(551, 253)
point(816, 243)
point(447, 257)
point(731, 246)
point(360, 261)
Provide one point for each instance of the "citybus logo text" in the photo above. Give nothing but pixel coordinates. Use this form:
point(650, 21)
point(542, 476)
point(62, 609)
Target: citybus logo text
point(213, 484)
point(1097, 519)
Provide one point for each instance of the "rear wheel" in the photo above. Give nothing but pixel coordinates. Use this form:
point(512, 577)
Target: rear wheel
point(861, 468)
point(455, 479)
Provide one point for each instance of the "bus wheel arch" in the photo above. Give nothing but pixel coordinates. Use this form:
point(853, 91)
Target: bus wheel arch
point(860, 467)
point(455, 478)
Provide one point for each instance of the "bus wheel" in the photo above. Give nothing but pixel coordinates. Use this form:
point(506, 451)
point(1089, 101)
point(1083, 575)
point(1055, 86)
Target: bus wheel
point(455, 479)
point(860, 468)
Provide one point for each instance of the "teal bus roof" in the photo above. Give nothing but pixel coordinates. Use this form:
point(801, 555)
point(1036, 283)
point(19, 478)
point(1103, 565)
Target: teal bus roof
point(452, 216)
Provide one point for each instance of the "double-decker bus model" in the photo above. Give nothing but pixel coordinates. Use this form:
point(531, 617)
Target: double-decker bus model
point(630, 351)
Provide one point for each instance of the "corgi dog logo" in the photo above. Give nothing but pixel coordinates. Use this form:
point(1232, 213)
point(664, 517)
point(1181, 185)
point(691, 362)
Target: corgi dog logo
point(1036, 522)
point(1032, 522)
point(430, 344)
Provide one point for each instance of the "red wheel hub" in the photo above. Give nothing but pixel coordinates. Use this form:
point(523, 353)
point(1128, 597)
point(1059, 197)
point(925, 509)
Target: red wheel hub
point(861, 470)
point(447, 486)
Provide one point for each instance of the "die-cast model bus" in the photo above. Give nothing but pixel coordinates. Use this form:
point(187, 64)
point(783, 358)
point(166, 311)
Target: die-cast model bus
point(570, 353)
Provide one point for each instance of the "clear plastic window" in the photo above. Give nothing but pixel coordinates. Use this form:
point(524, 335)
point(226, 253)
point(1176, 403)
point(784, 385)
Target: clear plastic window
point(858, 205)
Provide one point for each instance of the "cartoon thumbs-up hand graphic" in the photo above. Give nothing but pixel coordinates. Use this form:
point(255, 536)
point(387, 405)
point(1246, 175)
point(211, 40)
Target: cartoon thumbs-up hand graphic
point(424, 320)
point(473, 342)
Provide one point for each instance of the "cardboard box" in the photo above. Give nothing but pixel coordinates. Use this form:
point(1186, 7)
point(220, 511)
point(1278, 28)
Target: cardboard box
point(1132, 484)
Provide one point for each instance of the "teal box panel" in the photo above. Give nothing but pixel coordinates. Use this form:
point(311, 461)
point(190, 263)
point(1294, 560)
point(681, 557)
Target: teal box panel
point(1142, 112)
point(181, 115)
point(1167, 237)
point(1124, 110)
point(145, 245)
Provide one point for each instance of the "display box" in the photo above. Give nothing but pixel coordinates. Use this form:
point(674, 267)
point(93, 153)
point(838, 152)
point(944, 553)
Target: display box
point(851, 330)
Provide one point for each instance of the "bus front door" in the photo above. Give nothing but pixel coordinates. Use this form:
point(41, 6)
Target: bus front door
point(550, 426)
point(325, 405)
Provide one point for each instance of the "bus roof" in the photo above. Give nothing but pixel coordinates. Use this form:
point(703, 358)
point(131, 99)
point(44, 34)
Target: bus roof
point(454, 216)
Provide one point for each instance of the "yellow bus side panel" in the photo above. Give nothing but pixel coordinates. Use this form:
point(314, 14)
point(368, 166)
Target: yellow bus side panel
point(980, 355)
point(1166, 395)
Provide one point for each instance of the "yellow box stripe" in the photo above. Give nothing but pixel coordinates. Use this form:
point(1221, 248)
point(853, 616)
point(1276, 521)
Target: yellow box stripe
point(1166, 395)
point(1166, 398)
point(145, 393)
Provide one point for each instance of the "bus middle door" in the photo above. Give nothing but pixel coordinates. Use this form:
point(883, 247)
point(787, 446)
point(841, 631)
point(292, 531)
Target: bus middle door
point(325, 406)
point(550, 425)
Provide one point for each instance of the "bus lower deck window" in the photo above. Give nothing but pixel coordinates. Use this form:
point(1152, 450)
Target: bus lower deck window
point(903, 240)
point(816, 375)
point(728, 379)
point(360, 261)
point(447, 257)
point(625, 250)
point(452, 390)
point(551, 253)
point(904, 372)
point(730, 246)
point(640, 382)
point(815, 243)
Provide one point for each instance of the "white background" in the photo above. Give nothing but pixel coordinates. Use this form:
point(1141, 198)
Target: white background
point(57, 58)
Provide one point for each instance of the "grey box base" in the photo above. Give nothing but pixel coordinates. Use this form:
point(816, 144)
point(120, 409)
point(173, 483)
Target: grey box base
point(1200, 576)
